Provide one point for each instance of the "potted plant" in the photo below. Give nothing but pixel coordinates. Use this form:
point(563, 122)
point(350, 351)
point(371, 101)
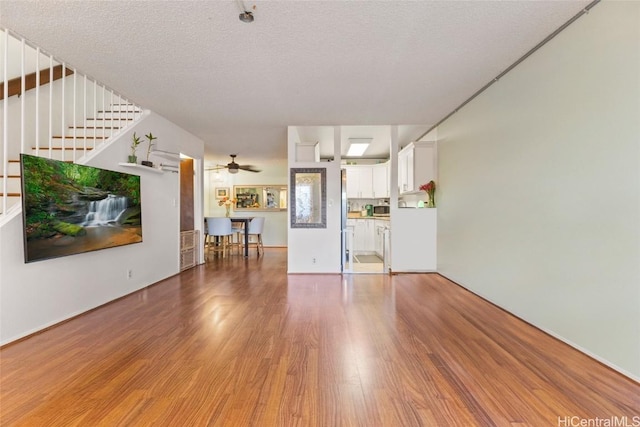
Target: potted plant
point(150, 145)
point(132, 158)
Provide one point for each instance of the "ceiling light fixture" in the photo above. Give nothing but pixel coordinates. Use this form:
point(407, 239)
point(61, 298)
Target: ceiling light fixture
point(246, 16)
point(357, 146)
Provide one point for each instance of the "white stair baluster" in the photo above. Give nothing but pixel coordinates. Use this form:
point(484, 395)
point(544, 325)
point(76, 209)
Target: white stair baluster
point(37, 101)
point(62, 98)
point(50, 106)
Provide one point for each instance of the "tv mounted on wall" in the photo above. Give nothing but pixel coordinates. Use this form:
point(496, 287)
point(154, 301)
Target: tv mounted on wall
point(69, 208)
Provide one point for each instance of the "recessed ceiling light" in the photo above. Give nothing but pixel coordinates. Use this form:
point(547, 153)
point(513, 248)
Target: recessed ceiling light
point(357, 149)
point(357, 146)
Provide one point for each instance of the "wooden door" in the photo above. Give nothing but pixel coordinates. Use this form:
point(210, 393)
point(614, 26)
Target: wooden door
point(186, 195)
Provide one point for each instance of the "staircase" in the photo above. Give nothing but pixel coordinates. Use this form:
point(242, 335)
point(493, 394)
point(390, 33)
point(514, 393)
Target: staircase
point(77, 141)
point(99, 114)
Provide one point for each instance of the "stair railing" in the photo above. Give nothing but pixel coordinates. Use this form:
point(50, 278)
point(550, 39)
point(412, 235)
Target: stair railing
point(73, 103)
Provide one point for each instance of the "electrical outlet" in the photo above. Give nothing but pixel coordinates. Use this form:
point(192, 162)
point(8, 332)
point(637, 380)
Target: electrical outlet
point(129, 273)
point(313, 260)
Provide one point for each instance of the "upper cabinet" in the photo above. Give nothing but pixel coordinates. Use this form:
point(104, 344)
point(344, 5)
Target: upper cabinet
point(359, 182)
point(380, 174)
point(368, 181)
point(417, 165)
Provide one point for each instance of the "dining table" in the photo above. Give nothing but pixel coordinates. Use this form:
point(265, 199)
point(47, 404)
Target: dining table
point(245, 220)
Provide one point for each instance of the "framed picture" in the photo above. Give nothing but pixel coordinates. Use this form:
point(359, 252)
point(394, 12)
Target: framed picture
point(308, 198)
point(260, 197)
point(222, 192)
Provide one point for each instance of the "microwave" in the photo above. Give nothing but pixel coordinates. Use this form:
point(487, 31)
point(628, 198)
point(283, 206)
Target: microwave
point(381, 210)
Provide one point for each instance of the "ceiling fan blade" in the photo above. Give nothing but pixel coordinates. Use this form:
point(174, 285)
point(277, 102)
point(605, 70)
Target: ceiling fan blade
point(216, 168)
point(233, 167)
point(249, 168)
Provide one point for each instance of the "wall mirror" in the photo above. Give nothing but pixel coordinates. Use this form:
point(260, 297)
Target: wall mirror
point(260, 197)
point(308, 198)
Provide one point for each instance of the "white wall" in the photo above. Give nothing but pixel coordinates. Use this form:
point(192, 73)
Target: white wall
point(539, 188)
point(14, 66)
point(36, 295)
point(413, 240)
point(273, 172)
point(320, 244)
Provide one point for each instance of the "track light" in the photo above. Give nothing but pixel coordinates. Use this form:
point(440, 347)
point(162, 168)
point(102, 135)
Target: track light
point(246, 16)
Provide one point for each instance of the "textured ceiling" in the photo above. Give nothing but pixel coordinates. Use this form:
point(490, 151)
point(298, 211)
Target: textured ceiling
point(237, 86)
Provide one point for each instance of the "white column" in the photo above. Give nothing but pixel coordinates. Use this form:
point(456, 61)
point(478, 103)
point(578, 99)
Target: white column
point(5, 133)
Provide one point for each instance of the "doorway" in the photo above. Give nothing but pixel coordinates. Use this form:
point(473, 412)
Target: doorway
point(365, 238)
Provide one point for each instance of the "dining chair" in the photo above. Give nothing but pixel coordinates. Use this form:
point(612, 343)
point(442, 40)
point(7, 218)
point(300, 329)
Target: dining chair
point(238, 231)
point(219, 233)
point(205, 241)
point(256, 225)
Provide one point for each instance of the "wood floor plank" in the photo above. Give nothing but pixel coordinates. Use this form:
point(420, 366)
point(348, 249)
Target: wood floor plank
point(238, 342)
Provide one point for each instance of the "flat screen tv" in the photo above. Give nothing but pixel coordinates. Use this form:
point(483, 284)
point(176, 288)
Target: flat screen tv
point(69, 208)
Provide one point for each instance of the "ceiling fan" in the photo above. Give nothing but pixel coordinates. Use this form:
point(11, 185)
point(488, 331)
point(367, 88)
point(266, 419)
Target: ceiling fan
point(233, 167)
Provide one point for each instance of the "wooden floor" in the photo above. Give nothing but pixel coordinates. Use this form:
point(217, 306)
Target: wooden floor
point(237, 342)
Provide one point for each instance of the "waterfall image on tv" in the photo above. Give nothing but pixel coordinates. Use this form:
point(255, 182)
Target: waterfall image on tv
point(69, 208)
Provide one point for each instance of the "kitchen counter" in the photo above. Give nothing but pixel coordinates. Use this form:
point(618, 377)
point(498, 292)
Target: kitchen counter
point(357, 215)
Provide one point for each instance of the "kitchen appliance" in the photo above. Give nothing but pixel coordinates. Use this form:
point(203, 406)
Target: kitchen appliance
point(380, 210)
point(369, 209)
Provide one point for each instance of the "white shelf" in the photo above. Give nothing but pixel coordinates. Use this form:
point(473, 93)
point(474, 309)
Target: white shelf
point(137, 166)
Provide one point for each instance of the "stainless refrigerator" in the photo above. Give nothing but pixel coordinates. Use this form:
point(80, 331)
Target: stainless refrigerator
point(346, 231)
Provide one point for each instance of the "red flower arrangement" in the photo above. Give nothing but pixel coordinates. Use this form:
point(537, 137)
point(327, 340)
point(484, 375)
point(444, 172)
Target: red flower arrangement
point(430, 188)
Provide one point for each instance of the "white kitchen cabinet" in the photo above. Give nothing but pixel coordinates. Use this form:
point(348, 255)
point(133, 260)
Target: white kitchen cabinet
point(359, 235)
point(378, 237)
point(380, 227)
point(359, 182)
point(369, 241)
point(357, 227)
point(417, 165)
point(368, 181)
point(380, 174)
point(350, 239)
point(363, 235)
